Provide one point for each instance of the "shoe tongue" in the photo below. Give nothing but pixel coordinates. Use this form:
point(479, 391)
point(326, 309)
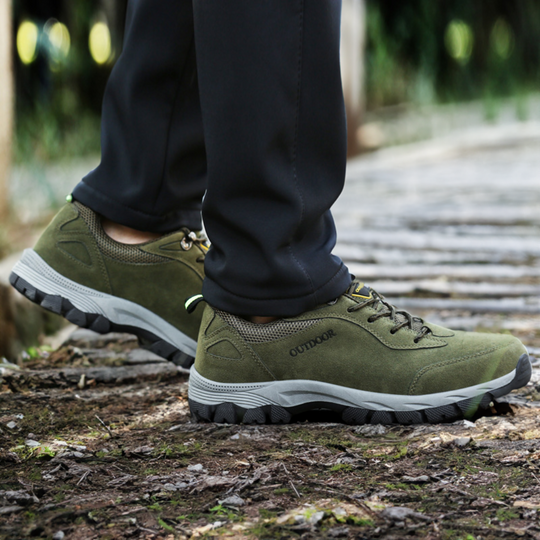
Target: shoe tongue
point(362, 291)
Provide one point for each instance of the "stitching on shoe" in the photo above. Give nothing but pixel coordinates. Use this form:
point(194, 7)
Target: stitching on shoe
point(243, 345)
point(426, 369)
point(77, 234)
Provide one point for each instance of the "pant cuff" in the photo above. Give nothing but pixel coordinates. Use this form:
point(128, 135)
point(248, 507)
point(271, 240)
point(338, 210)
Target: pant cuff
point(190, 218)
point(219, 298)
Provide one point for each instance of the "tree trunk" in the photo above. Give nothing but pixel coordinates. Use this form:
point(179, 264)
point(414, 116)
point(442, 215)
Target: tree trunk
point(353, 32)
point(6, 104)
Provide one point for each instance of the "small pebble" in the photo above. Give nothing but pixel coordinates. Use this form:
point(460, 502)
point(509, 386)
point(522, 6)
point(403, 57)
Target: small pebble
point(195, 468)
point(370, 430)
point(400, 513)
point(233, 500)
point(316, 518)
point(338, 532)
point(78, 447)
point(339, 513)
point(462, 441)
point(58, 535)
point(31, 443)
point(11, 425)
point(415, 479)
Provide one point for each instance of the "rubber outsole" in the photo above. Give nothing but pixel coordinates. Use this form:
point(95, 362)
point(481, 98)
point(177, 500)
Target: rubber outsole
point(98, 323)
point(231, 413)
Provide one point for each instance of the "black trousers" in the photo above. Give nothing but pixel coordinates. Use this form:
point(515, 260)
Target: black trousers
point(241, 100)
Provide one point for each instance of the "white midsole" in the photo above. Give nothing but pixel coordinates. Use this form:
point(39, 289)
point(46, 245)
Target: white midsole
point(300, 391)
point(33, 269)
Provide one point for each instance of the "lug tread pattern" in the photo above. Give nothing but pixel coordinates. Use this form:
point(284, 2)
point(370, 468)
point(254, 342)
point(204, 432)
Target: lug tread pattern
point(98, 323)
point(274, 414)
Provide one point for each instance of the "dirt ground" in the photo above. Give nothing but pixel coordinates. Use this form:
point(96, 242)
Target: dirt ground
point(96, 439)
point(87, 459)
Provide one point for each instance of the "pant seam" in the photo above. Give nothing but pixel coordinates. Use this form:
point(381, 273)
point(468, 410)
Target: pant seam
point(295, 143)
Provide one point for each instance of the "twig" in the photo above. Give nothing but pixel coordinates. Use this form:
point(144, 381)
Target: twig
point(147, 530)
point(86, 473)
point(295, 490)
point(537, 479)
point(105, 426)
point(290, 481)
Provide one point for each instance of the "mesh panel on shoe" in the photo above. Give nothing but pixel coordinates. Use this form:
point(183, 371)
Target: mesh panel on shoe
point(263, 333)
point(109, 247)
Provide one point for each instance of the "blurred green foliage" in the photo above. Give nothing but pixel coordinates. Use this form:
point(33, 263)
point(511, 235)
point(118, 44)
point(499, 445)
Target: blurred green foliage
point(418, 51)
point(411, 44)
point(58, 103)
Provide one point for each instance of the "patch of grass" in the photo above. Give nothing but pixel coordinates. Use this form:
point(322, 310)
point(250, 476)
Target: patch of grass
point(27, 452)
point(267, 514)
point(360, 522)
point(165, 526)
point(399, 485)
point(504, 514)
point(223, 511)
point(35, 475)
point(402, 451)
point(341, 467)
point(177, 450)
point(322, 439)
point(268, 529)
point(59, 497)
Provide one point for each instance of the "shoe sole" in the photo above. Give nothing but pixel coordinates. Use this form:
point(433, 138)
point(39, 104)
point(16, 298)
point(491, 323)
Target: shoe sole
point(98, 311)
point(276, 402)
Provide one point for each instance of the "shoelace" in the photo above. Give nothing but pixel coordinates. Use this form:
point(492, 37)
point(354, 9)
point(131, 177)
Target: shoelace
point(190, 239)
point(379, 303)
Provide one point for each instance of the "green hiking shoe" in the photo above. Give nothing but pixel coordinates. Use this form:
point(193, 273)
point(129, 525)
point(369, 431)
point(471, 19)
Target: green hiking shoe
point(358, 356)
point(78, 271)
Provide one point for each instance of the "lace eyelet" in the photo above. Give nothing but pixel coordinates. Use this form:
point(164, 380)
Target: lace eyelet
point(349, 310)
point(393, 331)
point(370, 320)
point(186, 244)
point(416, 340)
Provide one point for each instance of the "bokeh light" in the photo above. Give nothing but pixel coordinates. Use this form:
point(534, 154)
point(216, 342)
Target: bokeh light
point(99, 43)
point(502, 39)
point(27, 41)
point(459, 41)
point(59, 41)
point(60, 38)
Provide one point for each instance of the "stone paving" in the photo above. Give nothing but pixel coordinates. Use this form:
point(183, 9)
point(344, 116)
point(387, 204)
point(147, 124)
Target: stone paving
point(452, 226)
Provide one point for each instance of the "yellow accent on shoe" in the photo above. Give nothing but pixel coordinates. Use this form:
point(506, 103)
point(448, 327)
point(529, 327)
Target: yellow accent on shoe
point(358, 289)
